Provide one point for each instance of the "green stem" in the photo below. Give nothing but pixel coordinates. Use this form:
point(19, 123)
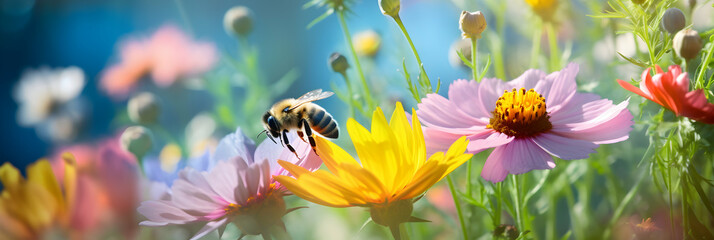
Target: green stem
point(499, 198)
point(348, 38)
point(535, 50)
point(468, 178)
point(699, 82)
point(550, 223)
point(350, 94)
point(184, 16)
point(515, 194)
point(458, 207)
point(553, 43)
point(474, 62)
point(403, 231)
point(426, 83)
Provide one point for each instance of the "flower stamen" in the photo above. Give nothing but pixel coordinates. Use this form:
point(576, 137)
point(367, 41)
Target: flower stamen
point(520, 113)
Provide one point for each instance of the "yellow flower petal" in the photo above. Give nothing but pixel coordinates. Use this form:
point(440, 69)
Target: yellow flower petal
point(41, 173)
point(293, 169)
point(10, 177)
point(70, 179)
point(332, 155)
point(366, 148)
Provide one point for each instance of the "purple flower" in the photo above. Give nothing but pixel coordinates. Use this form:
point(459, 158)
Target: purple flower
point(527, 120)
point(238, 188)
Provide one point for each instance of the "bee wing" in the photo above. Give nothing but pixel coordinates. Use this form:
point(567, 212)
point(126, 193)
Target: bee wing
point(310, 96)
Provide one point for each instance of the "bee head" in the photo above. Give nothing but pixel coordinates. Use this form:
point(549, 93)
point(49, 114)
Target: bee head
point(271, 124)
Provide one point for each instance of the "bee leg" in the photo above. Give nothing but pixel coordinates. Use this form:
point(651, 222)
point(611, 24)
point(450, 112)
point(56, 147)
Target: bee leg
point(301, 135)
point(308, 131)
point(287, 143)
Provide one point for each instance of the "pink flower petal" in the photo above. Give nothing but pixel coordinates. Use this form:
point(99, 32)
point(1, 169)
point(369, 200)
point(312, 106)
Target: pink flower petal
point(494, 139)
point(210, 227)
point(493, 169)
point(563, 87)
point(529, 79)
point(490, 89)
point(522, 155)
point(440, 141)
point(609, 126)
point(162, 213)
point(435, 110)
point(462, 94)
point(564, 148)
point(187, 196)
point(223, 179)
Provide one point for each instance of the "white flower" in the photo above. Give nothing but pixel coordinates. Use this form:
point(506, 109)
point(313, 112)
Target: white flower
point(47, 100)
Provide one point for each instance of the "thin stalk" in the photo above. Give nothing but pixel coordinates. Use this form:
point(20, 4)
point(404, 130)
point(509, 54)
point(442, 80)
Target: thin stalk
point(350, 94)
point(403, 231)
point(474, 70)
point(184, 16)
point(553, 43)
point(427, 82)
point(515, 194)
point(499, 198)
point(535, 50)
point(699, 82)
point(454, 195)
point(348, 38)
point(550, 223)
point(468, 178)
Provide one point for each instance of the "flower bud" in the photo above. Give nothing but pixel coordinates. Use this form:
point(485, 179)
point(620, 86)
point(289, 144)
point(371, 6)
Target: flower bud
point(143, 108)
point(472, 24)
point(367, 43)
point(687, 43)
point(136, 140)
point(338, 63)
point(390, 7)
point(238, 20)
point(673, 20)
point(544, 8)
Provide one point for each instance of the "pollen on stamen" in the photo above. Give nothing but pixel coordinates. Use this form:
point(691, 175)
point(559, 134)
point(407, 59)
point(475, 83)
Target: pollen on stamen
point(520, 113)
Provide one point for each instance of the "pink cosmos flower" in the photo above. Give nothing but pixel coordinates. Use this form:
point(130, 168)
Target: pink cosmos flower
point(671, 90)
point(107, 187)
point(168, 55)
point(238, 188)
point(527, 120)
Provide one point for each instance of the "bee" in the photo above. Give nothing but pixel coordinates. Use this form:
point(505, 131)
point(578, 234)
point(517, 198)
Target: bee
point(302, 115)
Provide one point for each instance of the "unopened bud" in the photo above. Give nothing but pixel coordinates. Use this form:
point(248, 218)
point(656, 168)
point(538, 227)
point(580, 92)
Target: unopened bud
point(390, 7)
point(338, 63)
point(472, 24)
point(687, 43)
point(673, 20)
point(136, 140)
point(143, 108)
point(238, 20)
point(544, 8)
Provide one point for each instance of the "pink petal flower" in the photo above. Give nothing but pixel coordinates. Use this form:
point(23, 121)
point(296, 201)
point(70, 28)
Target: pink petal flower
point(579, 122)
point(239, 185)
point(169, 54)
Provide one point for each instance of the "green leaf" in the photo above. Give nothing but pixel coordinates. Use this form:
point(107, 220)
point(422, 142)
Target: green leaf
point(485, 69)
point(321, 17)
point(634, 61)
point(466, 61)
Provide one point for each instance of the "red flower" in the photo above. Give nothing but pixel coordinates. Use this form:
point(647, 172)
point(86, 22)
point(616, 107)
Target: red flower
point(671, 90)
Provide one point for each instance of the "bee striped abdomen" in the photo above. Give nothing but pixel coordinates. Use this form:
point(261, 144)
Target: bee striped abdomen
point(322, 122)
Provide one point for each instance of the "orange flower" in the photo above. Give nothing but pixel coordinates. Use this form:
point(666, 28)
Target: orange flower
point(671, 90)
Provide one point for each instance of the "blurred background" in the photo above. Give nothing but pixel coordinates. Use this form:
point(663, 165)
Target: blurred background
point(87, 34)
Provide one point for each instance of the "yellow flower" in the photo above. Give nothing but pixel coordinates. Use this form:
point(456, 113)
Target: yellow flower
point(544, 8)
point(394, 170)
point(367, 43)
point(30, 207)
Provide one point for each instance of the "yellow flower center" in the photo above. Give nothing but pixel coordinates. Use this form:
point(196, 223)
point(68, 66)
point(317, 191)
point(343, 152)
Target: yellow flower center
point(520, 113)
